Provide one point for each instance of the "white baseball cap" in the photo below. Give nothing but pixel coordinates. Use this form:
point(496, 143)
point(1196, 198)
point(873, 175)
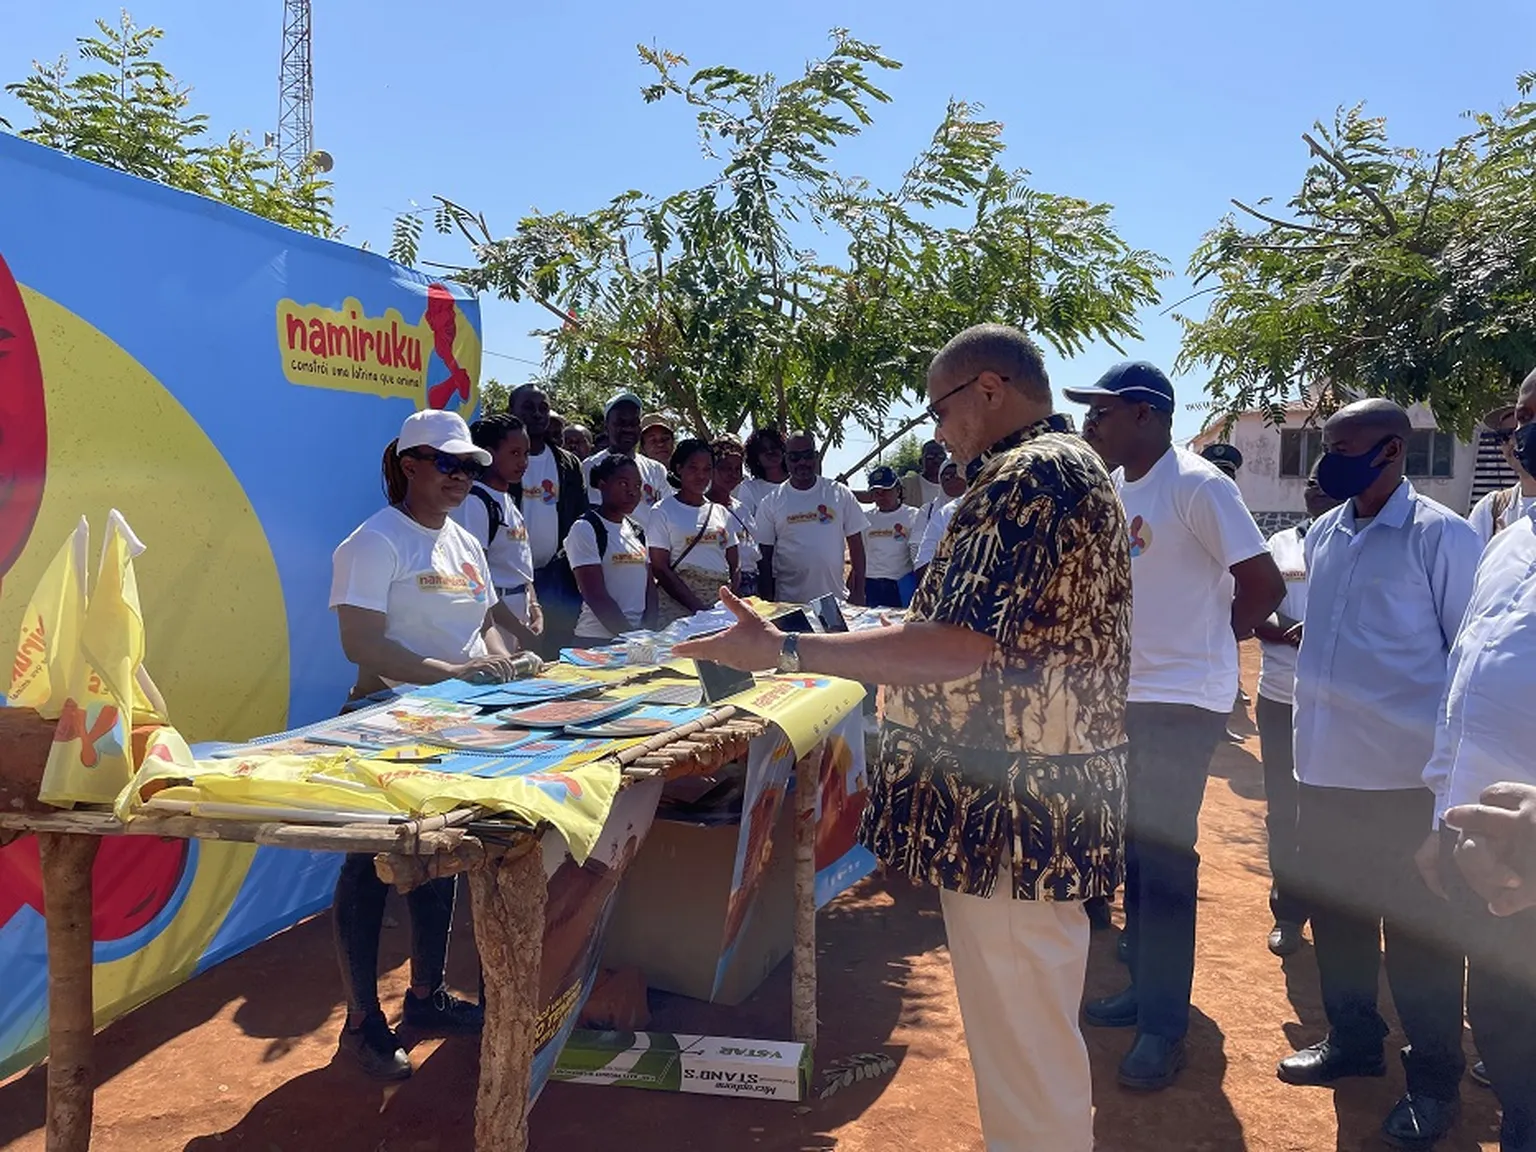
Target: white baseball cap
point(445, 431)
point(625, 397)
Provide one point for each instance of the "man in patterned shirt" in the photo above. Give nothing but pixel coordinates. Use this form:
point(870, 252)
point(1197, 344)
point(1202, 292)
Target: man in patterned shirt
point(1001, 774)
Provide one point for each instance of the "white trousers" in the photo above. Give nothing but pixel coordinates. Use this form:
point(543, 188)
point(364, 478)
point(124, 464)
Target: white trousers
point(1019, 967)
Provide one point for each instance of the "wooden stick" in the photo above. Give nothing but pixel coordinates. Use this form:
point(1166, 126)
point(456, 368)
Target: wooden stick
point(803, 975)
point(508, 896)
point(66, 864)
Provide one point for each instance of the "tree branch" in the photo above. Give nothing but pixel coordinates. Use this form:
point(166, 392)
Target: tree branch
point(1429, 199)
point(1349, 174)
point(1289, 223)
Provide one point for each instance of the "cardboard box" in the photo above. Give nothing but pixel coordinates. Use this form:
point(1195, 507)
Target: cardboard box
point(670, 918)
point(707, 1065)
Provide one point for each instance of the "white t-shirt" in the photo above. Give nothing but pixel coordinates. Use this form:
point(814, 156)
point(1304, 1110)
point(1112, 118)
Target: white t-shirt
point(744, 533)
point(541, 500)
point(751, 492)
point(509, 556)
point(653, 485)
point(1481, 517)
point(433, 585)
point(1188, 526)
point(626, 571)
point(807, 532)
point(887, 543)
point(674, 525)
point(943, 511)
point(1277, 673)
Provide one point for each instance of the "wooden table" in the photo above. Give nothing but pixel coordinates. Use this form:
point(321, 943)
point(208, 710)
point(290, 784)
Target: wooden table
point(507, 891)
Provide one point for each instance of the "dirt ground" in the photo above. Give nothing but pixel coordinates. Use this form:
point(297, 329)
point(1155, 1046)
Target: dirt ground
point(241, 1057)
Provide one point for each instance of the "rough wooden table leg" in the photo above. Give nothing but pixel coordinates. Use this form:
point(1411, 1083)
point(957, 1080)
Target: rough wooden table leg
point(803, 975)
point(66, 862)
point(508, 897)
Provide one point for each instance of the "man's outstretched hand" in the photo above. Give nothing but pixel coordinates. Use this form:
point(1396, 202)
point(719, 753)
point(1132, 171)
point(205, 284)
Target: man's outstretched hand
point(750, 645)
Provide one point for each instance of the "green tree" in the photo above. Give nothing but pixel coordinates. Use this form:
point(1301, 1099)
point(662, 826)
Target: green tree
point(1398, 273)
point(906, 455)
point(129, 113)
point(711, 303)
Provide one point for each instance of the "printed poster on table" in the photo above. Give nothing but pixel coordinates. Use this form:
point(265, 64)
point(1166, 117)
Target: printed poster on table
point(841, 795)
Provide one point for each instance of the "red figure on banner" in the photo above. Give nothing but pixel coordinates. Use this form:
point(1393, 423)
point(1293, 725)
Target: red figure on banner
point(23, 423)
point(442, 318)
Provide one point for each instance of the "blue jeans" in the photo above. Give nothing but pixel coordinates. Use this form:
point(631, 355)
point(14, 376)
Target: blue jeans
point(1170, 756)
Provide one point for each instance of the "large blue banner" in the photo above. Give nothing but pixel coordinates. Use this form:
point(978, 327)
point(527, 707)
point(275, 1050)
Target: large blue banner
point(229, 385)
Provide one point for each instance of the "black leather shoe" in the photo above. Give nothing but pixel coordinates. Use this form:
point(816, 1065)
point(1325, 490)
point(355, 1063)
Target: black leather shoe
point(1123, 949)
point(1479, 1074)
point(441, 1013)
point(1152, 1063)
point(1418, 1121)
point(1285, 938)
point(1325, 1062)
point(1117, 1011)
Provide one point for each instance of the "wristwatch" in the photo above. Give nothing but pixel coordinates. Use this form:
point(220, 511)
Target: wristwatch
point(789, 653)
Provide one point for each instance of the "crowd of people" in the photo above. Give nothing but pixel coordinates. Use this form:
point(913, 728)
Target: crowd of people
point(1064, 671)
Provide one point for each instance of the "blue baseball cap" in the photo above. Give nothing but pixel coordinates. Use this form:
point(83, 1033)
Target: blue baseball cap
point(883, 477)
point(1134, 380)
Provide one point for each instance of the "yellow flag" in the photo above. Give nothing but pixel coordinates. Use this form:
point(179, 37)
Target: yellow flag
point(50, 631)
point(92, 756)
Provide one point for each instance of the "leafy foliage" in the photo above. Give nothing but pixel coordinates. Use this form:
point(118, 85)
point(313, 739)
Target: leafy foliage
point(129, 113)
point(707, 301)
point(906, 456)
point(1397, 273)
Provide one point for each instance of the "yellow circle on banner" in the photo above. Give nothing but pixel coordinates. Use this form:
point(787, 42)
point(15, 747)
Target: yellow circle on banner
point(216, 629)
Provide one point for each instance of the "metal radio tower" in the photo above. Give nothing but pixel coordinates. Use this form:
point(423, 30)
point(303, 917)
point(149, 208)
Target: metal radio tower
point(296, 92)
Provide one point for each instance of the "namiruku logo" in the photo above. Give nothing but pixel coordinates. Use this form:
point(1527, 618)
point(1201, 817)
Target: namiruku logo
point(824, 514)
point(476, 584)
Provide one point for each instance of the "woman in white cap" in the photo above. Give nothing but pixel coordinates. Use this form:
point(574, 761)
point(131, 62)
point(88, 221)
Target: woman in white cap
point(412, 592)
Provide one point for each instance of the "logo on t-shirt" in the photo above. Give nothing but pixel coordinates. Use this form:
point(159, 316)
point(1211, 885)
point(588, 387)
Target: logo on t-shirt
point(627, 557)
point(1141, 537)
point(518, 534)
point(545, 493)
point(650, 493)
point(822, 515)
point(452, 582)
point(899, 531)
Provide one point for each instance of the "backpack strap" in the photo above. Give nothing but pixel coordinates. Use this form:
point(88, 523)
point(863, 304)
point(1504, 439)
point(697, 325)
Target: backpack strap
point(492, 513)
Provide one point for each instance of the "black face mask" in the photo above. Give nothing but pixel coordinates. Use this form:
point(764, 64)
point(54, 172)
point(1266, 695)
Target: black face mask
point(1345, 477)
point(1525, 448)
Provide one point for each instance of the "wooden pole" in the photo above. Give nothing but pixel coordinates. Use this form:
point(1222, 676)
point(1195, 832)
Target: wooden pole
point(66, 864)
point(508, 897)
point(803, 975)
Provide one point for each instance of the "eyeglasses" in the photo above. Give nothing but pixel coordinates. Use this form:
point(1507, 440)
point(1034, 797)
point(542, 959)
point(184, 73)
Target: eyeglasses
point(801, 454)
point(933, 409)
point(447, 463)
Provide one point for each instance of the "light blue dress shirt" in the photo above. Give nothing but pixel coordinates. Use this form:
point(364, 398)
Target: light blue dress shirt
point(1487, 730)
point(1384, 602)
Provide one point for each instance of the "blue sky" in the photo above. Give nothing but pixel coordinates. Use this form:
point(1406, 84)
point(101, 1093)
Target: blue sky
point(1164, 110)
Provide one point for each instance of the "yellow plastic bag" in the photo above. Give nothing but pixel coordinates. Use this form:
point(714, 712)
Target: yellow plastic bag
point(49, 644)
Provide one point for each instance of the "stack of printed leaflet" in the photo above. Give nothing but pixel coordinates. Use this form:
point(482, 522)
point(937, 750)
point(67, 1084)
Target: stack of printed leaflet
point(522, 726)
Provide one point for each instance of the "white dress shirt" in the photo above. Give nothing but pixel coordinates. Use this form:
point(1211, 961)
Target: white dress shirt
point(1277, 672)
point(1487, 730)
point(1384, 601)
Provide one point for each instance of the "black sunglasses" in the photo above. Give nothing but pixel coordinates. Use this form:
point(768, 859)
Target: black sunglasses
point(447, 463)
point(933, 409)
point(801, 454)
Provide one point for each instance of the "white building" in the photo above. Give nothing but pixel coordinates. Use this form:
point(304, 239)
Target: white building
point(1276, 461)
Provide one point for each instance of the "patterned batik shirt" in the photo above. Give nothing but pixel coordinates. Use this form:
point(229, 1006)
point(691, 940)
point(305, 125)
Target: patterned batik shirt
point(1026, 755)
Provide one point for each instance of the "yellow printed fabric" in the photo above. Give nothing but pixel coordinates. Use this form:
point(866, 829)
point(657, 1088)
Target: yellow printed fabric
point(92, 756)
point(805, 708)
point(50, 631)
point(572, 800)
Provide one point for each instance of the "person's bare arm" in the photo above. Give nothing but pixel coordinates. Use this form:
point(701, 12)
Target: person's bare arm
point(856, 564)
point(364, 641)
point(507, 618)
point(1260, 588)
point(918, 653)
point(594, 594)
point(1278, 628)
point(733, 563)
